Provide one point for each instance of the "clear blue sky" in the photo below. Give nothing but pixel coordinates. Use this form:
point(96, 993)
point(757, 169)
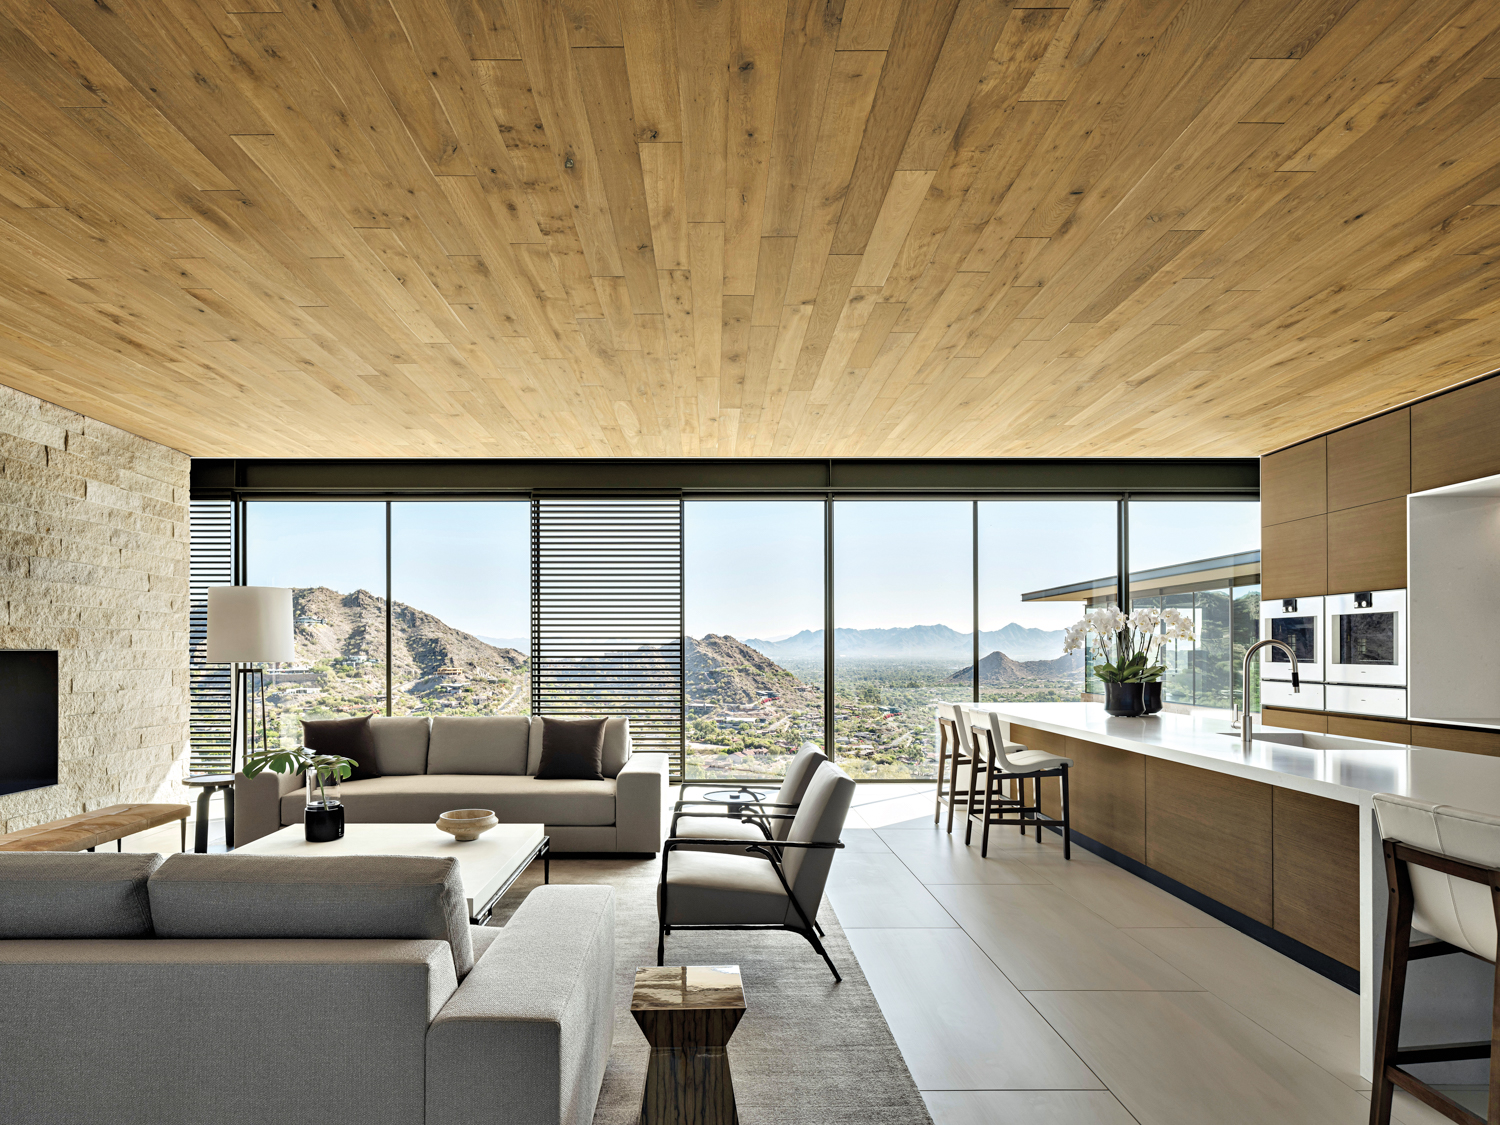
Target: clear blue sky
point(754, 568)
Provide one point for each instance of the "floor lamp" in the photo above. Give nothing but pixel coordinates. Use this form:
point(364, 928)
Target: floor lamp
point(248, 625)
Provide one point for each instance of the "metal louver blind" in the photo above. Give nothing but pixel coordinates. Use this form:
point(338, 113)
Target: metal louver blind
point(210, 693)
point(606, 616)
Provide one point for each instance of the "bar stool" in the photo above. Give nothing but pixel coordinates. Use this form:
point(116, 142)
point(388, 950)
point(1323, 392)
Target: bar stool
point(1441, 867)
point(1007, 760)
point(953, 732)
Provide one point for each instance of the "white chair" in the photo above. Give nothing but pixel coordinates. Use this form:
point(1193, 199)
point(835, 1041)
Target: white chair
point(1011, 761)
point(1443, 868)
point(752, 820)
point(955, 753)
point(714, 891)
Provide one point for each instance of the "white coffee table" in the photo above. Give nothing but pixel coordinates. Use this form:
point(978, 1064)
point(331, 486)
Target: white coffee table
point(488, 866)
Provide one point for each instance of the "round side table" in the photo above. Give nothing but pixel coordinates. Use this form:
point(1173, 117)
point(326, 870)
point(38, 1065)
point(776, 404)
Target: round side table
point(208, 784)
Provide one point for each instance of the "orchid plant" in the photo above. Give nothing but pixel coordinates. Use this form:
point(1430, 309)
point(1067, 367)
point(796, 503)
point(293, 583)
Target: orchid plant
point(1130, 643)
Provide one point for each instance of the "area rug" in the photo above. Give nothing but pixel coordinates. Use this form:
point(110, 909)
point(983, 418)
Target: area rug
point(808, 1052)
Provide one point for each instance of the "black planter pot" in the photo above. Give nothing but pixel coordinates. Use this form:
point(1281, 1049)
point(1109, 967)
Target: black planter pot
point(1124, 700)
point(1151, 697)
point(323, 823)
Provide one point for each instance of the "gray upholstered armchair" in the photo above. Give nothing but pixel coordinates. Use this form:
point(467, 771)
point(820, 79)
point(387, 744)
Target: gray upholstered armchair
point(751, 820)
point(702, 890)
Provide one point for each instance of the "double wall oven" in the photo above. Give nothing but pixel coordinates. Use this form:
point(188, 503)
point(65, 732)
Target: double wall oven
point(1297, 622)
point(1351, 653)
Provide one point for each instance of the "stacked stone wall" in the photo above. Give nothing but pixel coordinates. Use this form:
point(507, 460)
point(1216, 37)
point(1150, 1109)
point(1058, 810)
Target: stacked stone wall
point(94, 564)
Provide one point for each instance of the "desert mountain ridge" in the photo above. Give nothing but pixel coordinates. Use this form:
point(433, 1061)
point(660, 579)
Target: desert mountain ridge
point(998, 668)
point(917, 642)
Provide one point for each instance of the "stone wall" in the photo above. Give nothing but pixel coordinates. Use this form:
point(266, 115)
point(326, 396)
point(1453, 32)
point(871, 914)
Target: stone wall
point(94, 563)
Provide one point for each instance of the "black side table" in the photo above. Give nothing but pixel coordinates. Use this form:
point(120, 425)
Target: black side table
point(209, 784)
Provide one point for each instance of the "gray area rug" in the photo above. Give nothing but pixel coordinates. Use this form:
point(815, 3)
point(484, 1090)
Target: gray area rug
point(808, 1052)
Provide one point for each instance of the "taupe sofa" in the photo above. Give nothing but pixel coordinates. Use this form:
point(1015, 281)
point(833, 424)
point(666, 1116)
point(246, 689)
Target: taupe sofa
point(343, 990)
point(428, 768)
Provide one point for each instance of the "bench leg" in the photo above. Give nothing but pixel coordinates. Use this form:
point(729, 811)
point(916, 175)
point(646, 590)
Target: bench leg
point(229, 818)
point(200, 830)
point(120, 844)
point(183, 825)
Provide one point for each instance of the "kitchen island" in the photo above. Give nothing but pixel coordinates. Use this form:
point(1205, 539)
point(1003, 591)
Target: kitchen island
point(1280, 842)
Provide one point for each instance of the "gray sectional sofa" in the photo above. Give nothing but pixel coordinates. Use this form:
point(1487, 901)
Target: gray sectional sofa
point(343, 990)
point(428, 767)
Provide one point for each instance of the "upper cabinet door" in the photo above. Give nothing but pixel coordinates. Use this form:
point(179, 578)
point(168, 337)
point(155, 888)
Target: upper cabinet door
point(1370, 462)
point(1456, 437)
point(1294, 483)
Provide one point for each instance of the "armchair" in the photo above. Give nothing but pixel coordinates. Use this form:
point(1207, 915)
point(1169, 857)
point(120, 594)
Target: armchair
point(752, 821)
point(722, 890)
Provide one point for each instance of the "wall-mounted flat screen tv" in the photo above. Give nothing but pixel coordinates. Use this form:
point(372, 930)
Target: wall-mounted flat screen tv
point(28, 719)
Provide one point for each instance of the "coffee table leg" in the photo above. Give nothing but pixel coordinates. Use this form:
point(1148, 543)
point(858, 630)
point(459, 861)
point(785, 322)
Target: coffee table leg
point(688, 1088)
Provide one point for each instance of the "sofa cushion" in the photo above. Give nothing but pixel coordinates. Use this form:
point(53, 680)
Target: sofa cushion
point(572, 749)
point(400, 744)
point(479, 744)
point(350, 738)
point(421, 800)
point(336, 896)
point(617, 747)
point(75, 894)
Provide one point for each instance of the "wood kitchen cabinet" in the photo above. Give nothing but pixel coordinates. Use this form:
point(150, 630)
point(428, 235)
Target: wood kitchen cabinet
point(1456, 436)
point(1212, 831)
point(1367, 547)
point(1370, 462)
point(1294, 483)
point(1314, 721)
point(1379, 729)
point(1456, 738)
point(1316, 872)
point(1294, 558)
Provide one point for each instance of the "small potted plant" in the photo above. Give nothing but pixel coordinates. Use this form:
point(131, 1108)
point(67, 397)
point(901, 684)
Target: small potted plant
point(323, 819)
point(1132, 681)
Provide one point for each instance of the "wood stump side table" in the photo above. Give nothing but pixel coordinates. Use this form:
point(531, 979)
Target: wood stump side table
point(688, 1015)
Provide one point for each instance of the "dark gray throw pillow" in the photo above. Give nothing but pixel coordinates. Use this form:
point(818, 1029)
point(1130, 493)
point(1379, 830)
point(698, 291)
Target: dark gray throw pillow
point(572, 750)
point(350, 738)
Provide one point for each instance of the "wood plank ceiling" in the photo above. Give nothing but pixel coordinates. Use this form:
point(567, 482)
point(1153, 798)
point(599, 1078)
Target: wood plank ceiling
point(745, 227)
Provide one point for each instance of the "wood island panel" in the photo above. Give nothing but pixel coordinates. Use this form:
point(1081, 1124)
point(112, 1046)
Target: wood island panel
point(1211, 831)
point(1316, 872)
point(1294, 558)
point(1294, 482)
point(1370, 462)
point(1295, 720)
point(1050, 743)
point(1367, 548)
point(1107, 788)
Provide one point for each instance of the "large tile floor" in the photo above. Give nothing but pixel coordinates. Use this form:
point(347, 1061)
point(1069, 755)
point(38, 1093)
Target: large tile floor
point(1024, 988)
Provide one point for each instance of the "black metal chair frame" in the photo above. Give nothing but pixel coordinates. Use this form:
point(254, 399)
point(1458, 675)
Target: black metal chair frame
point(770, 850)
point(1399, 952)
point(1026, 816)
point(949, 728)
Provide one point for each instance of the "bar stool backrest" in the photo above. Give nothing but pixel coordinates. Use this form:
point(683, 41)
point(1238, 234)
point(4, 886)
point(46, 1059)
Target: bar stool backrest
point(1458, 911)
point(799, 772)
point(999, 730)
point(954, 713)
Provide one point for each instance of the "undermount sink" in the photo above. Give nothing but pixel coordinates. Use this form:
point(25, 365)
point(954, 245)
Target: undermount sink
point(1309, 740)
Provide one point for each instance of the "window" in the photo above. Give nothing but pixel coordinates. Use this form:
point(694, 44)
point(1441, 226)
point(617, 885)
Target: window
point(332, 555)
point(1042, 565)
point(754, 606)
point(904, 609)
point(460, 608)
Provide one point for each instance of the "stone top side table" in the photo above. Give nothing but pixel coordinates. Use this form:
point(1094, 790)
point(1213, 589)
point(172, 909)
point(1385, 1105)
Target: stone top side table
point(688, 1015)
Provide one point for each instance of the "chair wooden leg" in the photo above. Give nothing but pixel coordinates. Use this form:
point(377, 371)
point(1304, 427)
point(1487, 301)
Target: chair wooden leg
point(989, 792)
point(937, 813)
point(953, 789)
point(1067, 820)
point(1392, 986)
point(974, 772)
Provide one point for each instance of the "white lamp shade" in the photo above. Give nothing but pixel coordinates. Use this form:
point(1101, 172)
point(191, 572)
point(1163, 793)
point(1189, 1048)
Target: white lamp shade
point(249, 624)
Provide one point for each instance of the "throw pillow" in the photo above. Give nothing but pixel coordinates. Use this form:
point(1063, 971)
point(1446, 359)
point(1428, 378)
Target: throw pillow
point(350, 738)
point(572, 750)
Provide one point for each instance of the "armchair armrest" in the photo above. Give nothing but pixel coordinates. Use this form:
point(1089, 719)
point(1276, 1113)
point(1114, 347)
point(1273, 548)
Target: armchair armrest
point(640, 790)
point(257, 803)
point(526, 1037)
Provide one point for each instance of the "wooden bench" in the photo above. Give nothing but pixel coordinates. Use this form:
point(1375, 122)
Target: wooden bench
point(86, 831)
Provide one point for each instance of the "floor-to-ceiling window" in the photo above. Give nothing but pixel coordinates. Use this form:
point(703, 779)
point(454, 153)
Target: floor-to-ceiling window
point(903, 598)
point(753, 579)
point(460, 608)
point(1042, 565)
point(332, 555)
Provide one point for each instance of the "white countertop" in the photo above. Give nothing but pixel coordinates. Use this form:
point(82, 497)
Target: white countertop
point(1344, 769)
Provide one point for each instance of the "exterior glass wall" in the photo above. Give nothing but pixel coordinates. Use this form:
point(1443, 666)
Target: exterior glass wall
point(754, 604)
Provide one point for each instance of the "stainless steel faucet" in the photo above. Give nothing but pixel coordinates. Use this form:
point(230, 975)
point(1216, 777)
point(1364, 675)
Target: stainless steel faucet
point(1242, 717)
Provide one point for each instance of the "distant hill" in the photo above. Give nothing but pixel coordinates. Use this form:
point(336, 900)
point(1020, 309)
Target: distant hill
point(997, 668)
point(520, 644)
point(334, 626)
point(917, 642)
point(728, 671)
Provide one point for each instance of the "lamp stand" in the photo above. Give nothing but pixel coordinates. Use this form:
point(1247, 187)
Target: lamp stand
point(245, 708)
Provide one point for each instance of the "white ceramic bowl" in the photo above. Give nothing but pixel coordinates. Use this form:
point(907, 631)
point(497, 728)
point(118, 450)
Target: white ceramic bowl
point(467, 824)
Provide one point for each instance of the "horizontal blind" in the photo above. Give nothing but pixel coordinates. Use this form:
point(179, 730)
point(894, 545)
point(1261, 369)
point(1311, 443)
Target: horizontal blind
point(211, 692)
point(606, 615)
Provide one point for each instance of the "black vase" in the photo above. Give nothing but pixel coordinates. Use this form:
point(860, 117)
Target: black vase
point(1124, 700)
point(323, 824)
point(1151, 697)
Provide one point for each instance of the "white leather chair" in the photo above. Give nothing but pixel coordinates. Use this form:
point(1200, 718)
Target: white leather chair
point(1012, 761)
point(751, 821)
point(956, 760)
point(714, 891)
point(1443, 867)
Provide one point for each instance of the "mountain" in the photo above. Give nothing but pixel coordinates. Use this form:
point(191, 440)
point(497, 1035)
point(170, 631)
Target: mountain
point(916, 642)
point(351, 627)
point(727, 671)
point(997, 668)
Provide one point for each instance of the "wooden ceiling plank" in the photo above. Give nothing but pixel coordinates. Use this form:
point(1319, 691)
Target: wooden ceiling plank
point(484, 26)
point(897, 213)
point(704, 46)
point(758, 32)
point(734, 352)
point(867, 24)
point(666, 201)
point(650, 40)
point(773, 269)
point(593, 23)
point(972, 36)
point(807, 52)
point(707, 282)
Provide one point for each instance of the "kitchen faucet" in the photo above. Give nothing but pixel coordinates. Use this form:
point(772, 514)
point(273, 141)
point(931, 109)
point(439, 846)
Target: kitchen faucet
point(1243, 711)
